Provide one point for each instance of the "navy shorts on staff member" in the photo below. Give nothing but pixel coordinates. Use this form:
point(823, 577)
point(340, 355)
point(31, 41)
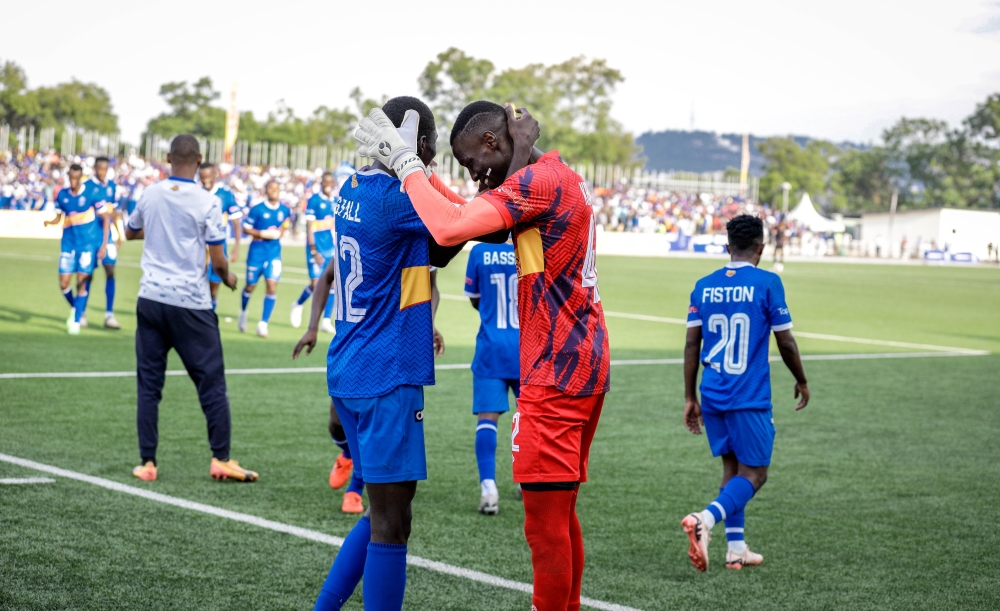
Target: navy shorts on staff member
point(489, 395)
point(386, 435)
point(747, 433)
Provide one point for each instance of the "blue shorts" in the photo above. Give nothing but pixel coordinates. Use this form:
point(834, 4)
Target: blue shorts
point(77, 260)
point(212, 276)
point(315, 270)
point(269, 269)
point(747, 433)
point(490, 394)
point(386, 435)
point(110, 254)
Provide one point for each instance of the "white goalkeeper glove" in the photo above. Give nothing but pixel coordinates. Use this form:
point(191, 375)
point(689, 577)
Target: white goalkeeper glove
point(396, 148)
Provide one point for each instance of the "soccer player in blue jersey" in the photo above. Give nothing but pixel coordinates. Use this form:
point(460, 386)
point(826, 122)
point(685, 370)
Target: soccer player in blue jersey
point(104, 192)
point(491, 285)
point(265, 223)
point(82, 244)
point(379, 361)
point(734, 311)
point(208, 173)
point(319, 248)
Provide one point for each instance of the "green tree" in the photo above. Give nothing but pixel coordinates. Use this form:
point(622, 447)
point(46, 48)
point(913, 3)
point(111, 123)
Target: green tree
point(83, 105)
point(191, 110)
point(864, 179)
point(572, 101)
point(946, 167)
point(985, 121)
point(17, 106)
point(452, 80)
point(805, 168)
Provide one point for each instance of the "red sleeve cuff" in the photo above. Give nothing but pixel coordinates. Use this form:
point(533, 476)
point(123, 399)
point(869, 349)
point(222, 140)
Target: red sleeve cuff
point(501, 208)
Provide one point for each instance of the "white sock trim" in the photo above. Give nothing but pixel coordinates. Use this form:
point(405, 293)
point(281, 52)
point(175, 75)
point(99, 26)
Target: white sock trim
point(734, 530)
point(719, 507)
point(488, 424)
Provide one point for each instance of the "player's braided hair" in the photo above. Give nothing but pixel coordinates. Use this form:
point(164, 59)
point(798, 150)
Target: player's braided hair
point(477, 115)
point(745, 232)
point(396, 108)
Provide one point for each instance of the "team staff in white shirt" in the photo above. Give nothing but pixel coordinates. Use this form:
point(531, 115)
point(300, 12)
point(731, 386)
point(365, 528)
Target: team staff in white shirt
point(178, 219)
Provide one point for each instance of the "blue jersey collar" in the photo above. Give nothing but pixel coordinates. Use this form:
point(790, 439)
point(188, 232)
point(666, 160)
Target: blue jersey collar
point(738, 264)
point(180, 179)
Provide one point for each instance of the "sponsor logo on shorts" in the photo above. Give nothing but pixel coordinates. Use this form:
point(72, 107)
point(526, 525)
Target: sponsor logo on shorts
point(418, 416)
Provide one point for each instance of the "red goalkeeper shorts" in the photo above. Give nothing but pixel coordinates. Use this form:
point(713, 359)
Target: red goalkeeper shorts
point(551, 435)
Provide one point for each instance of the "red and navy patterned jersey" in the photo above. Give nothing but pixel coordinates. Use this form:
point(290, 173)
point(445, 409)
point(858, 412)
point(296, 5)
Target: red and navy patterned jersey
point(564, 341)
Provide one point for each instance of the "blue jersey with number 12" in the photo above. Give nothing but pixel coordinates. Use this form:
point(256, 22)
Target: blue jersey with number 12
point(491, 275)
point(382, 294)
point(737, 307)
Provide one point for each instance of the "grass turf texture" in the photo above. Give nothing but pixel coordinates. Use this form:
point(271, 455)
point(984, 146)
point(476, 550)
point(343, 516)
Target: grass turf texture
point(882, 493)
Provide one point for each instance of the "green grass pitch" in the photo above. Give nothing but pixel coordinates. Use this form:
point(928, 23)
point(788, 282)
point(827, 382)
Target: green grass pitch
point(883, 493)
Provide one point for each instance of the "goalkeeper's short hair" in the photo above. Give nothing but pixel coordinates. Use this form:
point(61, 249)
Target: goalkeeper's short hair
point(396, 108)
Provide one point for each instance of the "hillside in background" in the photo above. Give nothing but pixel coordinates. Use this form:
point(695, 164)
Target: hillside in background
point(700, 151)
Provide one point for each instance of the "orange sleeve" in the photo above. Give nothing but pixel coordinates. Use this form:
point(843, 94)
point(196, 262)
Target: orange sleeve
point(448, 222)
point(443, 189)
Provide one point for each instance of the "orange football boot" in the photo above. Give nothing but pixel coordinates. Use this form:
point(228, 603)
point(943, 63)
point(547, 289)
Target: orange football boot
point(699, 536)
point(146, 472)
point(231, 469)
point(352, 503)
point(341, 471)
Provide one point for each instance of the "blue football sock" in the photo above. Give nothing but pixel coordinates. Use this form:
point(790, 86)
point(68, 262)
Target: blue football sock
point(68, 296)
point(306, 294)
point(109, 293)
point(343, 445)
point(486, 449)
point(80, 303)
point(385, 576)
point(328, 312)
point(246, 300)
point(734, 529)
point(268, 307)
point(357, 484)
point(347, 569)
point(733, 498)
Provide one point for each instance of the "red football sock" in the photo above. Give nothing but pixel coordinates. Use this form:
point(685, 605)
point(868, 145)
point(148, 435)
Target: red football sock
point(576, 540)
point(547, 528)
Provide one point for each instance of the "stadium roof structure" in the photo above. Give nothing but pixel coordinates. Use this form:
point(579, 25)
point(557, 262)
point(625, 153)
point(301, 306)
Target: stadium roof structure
point(805, 214)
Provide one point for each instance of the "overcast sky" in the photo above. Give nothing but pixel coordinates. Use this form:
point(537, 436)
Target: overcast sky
point(841, 70)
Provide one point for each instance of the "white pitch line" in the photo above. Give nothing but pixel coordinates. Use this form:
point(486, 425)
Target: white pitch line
point(26, 480)
point(457, 366)
point(832, 338)
point(296, 531)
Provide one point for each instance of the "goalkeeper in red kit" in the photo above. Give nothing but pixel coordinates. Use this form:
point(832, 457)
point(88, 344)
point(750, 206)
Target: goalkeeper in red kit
point(564, 341)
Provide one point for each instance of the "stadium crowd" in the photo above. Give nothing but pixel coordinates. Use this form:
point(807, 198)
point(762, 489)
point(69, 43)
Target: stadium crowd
point(31, 182)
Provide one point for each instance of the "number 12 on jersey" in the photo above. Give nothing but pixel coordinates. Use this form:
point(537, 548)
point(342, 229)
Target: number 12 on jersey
point(344, 310)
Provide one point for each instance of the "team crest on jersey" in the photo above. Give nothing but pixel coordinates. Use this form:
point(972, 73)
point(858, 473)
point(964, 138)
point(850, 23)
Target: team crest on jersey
point(731, 273)
point(175, 188)
point(354, 181)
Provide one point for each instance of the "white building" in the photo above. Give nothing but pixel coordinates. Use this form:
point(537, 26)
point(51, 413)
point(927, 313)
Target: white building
point(950, 229)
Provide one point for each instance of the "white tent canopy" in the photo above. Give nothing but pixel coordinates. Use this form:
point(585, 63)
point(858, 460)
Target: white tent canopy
point(805, 214)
